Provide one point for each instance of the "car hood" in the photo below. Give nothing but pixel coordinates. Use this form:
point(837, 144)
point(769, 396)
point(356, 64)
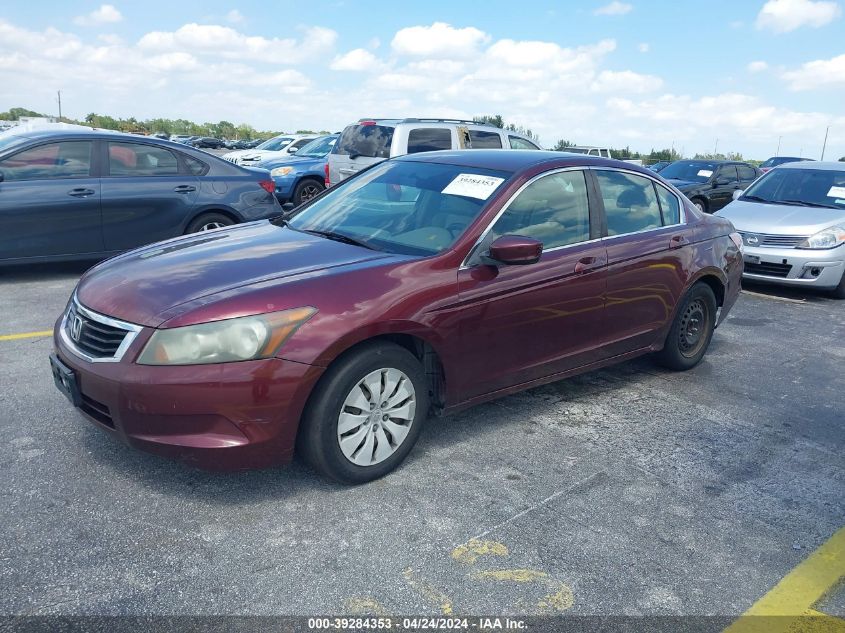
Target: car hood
point(263, 154)
point(780, 219)
point(156, 283)
point(297, 163)
point(685, 184)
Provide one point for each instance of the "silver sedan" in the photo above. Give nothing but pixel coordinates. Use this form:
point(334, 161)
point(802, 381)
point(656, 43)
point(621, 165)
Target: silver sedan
point(792, 222)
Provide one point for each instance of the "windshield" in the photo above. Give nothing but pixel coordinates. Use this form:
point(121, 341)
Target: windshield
point(813, 187)
point(692, 171)
point(275, 143)
point(780, 160)
point(372, 141)
point(403, 207)
point(318, 148)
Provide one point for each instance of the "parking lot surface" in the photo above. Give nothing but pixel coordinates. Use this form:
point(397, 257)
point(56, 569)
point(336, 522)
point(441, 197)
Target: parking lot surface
point(630, 490)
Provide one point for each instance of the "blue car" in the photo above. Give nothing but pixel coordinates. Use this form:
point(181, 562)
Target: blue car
point(300, 177)
point(84, 194)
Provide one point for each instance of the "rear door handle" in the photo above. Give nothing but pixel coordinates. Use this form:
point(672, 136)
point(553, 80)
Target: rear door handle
point(184, 189)
point(586, 264)
point(677, 241)
point(81, 192)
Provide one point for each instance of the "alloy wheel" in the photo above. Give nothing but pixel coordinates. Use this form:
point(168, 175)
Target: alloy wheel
point(208, 226)
point(308, 192)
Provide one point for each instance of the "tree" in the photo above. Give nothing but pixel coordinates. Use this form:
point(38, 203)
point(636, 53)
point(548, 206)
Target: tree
point(14, 114)
point(492, 119)
point(562, 144)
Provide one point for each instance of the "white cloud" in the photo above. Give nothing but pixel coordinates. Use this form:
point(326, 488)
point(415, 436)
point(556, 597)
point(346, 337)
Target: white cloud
point(643, 47)
point(235, 17)
point(438, 40)
point(757, 67)
point(818, 73)
point(625, 81)
point(614, 8)
point(782, 16)
point(106, 14)
point(359, 59)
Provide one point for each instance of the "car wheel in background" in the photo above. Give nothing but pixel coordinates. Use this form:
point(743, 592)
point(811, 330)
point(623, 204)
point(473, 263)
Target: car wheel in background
point(306, 190)
point(209, 221)
point(691, 330)
point(365, 414)
point(700, 204)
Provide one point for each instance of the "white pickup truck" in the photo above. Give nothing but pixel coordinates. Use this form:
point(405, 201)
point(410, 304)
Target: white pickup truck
point(604, 152)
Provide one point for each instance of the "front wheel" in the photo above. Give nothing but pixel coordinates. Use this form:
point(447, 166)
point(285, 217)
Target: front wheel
point(700, 205)
point(691, 330)
point(365, 414)
point(306, 190)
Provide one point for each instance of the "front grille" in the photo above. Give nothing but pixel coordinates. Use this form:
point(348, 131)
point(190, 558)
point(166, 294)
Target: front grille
point(96, 337)
point(96, 410)
point(774, 241)
point(770, 270)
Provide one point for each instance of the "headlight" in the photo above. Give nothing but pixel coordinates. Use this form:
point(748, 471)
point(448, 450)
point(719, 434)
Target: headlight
point(829, 238)
point(243, 338)
point(281, 171)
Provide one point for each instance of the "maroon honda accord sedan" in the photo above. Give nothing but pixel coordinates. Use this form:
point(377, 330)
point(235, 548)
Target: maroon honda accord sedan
point(425, 284)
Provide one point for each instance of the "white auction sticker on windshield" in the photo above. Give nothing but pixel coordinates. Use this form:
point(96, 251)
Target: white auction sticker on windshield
point(705, 173)
point(473, 186)
point(836, 192)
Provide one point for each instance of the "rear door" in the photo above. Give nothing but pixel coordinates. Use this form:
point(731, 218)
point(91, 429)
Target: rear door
point(358, 147)
point(50, 201)
point(147, 194)
point(649, 253)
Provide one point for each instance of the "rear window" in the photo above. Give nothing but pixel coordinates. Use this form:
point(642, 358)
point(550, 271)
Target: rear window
point(429, 139)
point(485, 140)
point(371, 141)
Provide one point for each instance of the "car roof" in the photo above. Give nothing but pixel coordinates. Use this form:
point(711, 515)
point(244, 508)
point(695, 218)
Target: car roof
point(511, 160)
point(86, 132)
point(814, 164)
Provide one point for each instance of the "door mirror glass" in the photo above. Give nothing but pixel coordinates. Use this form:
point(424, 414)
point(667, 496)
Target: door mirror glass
point(293, 150)
point(736, 194)
point(721, 181)
point(516, 250)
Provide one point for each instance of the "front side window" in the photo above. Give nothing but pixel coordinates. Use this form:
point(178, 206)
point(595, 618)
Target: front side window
point(68, 159)
point(553, 209)
point(520, 143)
point(404, 207)
point(135, 159)
point(429, 139)
point(630, 203)
point(485, 140)
point(727, 172)
point(301, 142)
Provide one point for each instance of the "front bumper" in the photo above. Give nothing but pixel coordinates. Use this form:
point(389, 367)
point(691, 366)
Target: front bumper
point(284, 187)
point(229, 416)
point(795, 266)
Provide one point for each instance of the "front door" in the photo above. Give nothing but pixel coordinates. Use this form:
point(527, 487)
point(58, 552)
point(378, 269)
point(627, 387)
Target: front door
point(526, 322)
point(725, 182)
point(50, 202)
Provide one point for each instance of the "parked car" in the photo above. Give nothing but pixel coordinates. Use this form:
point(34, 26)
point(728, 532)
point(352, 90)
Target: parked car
point(659, 165)
point(83, 194)
point(237, 144)
point(277, 147)
point(426, 284)
point(161, 135)
point(710, 184)
point(303, 175)
point(604, 152)
point(208, 142)
point(371, 141)
point(792, 221)
point(180, 138)
point(774, 161)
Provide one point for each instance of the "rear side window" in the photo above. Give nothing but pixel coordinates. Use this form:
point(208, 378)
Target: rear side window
point(669, 205)
point(630, 203)
point(746, 173)
point(520, 143)
point(135, 159)
point(429, 139)
point(69, 159)
point(371, 141)
point(194, 166)
point(485, 140)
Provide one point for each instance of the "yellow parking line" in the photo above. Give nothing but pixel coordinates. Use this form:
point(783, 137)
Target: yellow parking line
point(789, 606)
point(15, 337)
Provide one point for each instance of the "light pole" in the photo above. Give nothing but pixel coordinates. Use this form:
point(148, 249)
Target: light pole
point(824, 145)
point(715, 147)
point(59, 93)
point(777, 153)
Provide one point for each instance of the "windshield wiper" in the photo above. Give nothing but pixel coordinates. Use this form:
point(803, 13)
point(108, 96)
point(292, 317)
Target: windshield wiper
point(341, 237)
point(803, 203)
point(755, 198)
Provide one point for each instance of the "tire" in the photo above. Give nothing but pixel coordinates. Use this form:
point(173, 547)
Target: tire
point(839, 291)
point(343, 441)
point(305, 190)
point(700, 204)
point(208, 221)
point(691, 331)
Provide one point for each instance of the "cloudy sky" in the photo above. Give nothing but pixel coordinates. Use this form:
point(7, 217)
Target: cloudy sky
point(644, 73)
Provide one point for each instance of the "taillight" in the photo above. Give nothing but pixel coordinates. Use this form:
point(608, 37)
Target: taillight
point(268, 185)
point(366, 122)
point(328, 180)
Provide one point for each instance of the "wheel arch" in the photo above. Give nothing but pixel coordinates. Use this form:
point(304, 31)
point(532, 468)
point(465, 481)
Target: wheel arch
point(222, 210)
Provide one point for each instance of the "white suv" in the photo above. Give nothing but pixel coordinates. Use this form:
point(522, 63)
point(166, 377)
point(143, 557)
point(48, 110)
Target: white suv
point(373, 140)
point(276, 147)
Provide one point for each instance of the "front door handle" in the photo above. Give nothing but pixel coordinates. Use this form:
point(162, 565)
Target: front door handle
point(586, 264)
point(677, 241)
point(81, 192)
point(184, 189)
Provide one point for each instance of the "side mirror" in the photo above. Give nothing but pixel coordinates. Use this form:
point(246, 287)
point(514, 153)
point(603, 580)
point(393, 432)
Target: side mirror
point(737, 193)
point(287, 207)
point(516, 250)
point(293, 150)
point(720, 182)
